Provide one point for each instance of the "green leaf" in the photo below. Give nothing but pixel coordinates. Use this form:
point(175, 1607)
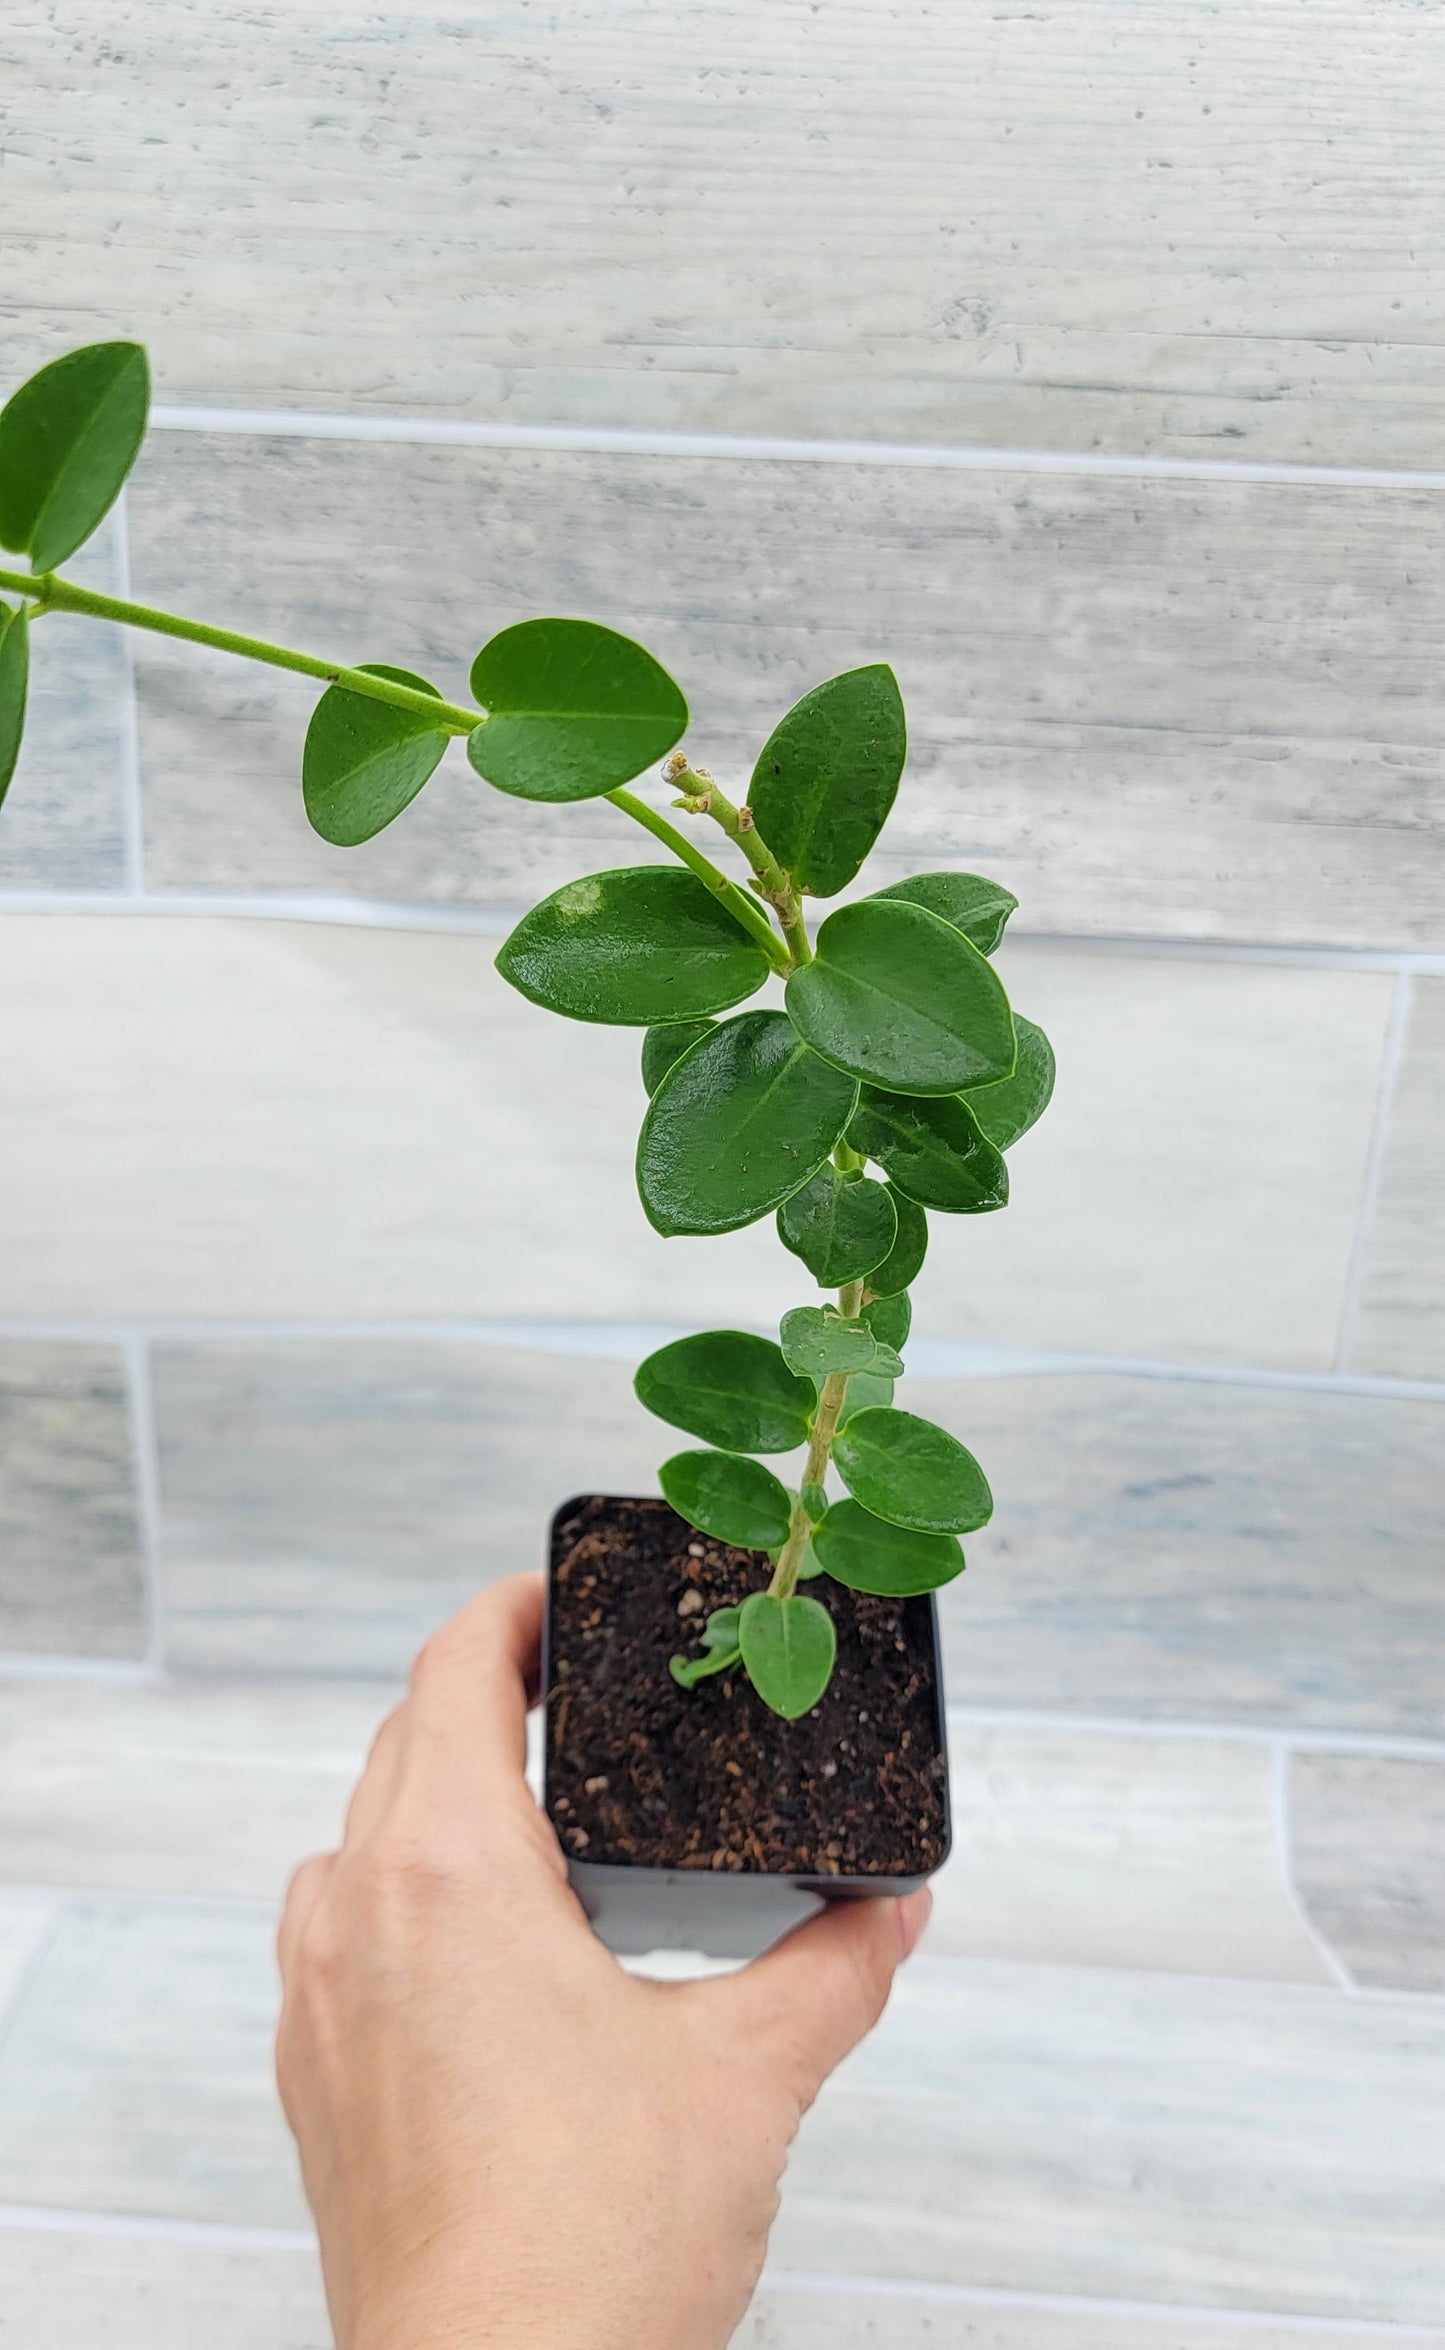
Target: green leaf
point(827, 776)
point(913, 1474)
point(890, 1319)
point(14, 679)
point(977, 907)
point(662, 1046)
point(866, 1391)
point(1008, 1109)
point(721, 1629)
point(904, 1260)
point(895, 995)
point(868, 1554)
point(788, 1649)
point(815, 1501)
point(573, 710)
point(738, 1125)
point(646, 944)
point(819, 1342)
point(68, 438)
point(687, 1671)
point(730, 1388)
point(733, 1499)
point(933, 1151)
point(365, 761)
point(840, 1227)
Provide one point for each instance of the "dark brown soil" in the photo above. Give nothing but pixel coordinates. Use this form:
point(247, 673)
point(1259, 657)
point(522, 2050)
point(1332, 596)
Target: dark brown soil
point(641, 1771)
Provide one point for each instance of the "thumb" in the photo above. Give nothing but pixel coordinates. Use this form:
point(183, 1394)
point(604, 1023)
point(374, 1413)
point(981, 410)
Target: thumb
point(819, 1991)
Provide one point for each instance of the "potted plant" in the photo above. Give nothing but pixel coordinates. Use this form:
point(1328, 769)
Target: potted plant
point(744, 1695)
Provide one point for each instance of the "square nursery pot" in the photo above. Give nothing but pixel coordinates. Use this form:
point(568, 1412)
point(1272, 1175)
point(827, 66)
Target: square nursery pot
point(696, 1819)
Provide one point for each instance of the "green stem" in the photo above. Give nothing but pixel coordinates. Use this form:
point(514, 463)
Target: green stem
point(703, 797)
point(729, 893)
point(820, 1451)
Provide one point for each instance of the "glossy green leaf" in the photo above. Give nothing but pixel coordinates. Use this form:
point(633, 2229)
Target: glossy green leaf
point(662, 1046)
point(913, 1474)
point(788, 1649)
point(977, 907)
point(14, 680)
point(733, 1499)
point(827, 776)
point(687, 1671)
point(645, 944)
point(866, 1391)
point(815, 1501)
point(573, 710)
point(738, 1125)
point(729, 1387)
point(868, 1554)
point(364, 761)
point(1007, 1110)
point(819, 1342)
point(68, 438)
point(933, 1151)
point(889, 1318)
point(897, 996)
point(721, 1628)
point(840, 1226)
point(904, 1260)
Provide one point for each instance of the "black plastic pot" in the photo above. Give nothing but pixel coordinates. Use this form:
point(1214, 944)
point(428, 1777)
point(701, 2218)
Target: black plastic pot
point(734, 1912)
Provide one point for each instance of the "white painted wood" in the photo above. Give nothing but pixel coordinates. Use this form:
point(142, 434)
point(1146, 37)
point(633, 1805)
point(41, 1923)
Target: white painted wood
point(1401, 1324)
point(72, 2290)
point(1124, 225)
point(70, 1569)
point(1369, 1863)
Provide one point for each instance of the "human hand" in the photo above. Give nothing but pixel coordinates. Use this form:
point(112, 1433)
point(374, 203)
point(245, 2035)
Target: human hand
point(505, 2138)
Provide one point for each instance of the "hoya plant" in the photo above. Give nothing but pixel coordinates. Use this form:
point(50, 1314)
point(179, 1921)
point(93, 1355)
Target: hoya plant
point(880, 1076)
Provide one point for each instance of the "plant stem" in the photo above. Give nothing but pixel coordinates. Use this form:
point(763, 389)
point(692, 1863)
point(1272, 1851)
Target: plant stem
point(48, 592)
point(701, 796)
point(820, 1449)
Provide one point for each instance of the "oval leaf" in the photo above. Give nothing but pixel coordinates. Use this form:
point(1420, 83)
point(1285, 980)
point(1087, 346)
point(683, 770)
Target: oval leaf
point(662, 1046)
point(738, 1125)
point(729, 1387)
point(14, 680)
point(815, 1501)
point(721, 1629)
point(648, 943)
point(819, 1343)
point(788, 1649)
point(904, 1260)
point(977, 907)
point(866, 1391)
point(933, 1151)
point(365, 761)
point(827, 776)
point(868, 1554)
point(841, 1229)
point(687, 1671)
point(889, 1318)
point(733, 1499)
point(1009, 1109)
point(68, 438)
point(899, 997)
point(913, 1474)
point(573, 710)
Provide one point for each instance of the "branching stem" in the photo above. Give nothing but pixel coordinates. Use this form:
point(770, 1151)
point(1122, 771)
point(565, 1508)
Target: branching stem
point(701, 796)
point(820, 1452)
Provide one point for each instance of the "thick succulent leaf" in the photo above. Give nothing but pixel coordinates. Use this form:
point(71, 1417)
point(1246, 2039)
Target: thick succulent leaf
point(840, 1226)
point(788, 1649)
point(827, 776)
point(730, 1388)
point(721, 1628)
point(1007, 1110)
point(819, 1342)
point(913, 1474)
point(645, 944)
point(866, 1391)
point(905, 1259)
point(68, 438)
point(664, 1045)
point(890, 1319)
point(899, 997)
point(933, 1151)
point(573, 710)
point(365, 761)
point(978, 908)
point(14, 680)
point(868, 1554)
point(738, 1125)
point(687, 1671)
point(733, 1499)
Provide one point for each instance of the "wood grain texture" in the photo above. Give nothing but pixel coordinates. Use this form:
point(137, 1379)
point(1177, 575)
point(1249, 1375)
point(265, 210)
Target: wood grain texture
point(1126, 225)
point(70, 1571)
point(70, 2291)
point(1369, 1862)
point(1198, 1552)
point(63, 823)
point(1150, 707)
point(1402, 1310)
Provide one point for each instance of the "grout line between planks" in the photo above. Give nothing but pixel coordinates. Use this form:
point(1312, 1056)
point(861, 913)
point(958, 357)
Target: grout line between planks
point(1392, 1061)
point(47, 2220)
point(770, 448)
point(145, 1464)
point(1172, 2313)
point(1281, 1827)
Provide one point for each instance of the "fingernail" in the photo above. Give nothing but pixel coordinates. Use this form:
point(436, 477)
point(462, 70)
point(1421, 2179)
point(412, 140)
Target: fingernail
point(913, 1911)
